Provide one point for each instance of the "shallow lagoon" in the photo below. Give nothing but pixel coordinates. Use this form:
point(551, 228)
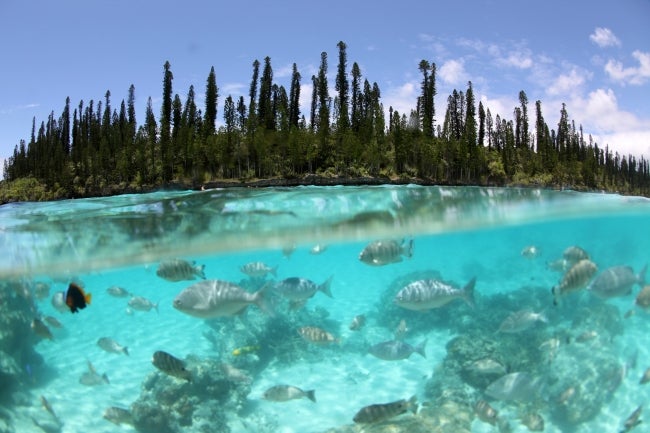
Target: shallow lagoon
point(458, 233)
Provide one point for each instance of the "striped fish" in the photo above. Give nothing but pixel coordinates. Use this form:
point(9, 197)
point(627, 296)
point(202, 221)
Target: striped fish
point(427, 294)
point(317, 335)
point(575, 279)
point(170, 365)
point(381, 412)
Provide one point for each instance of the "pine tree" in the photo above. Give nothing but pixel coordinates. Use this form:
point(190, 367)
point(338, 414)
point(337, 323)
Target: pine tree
point(294, 97)
point(265, 105)
point(166, 151)
point(356, 98)
point(211, 97)
point(342, 87)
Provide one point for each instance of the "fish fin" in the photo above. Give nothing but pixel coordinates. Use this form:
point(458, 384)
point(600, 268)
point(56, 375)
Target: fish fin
point(408, 249)
point(261, 300)
point(325, 287)
point(200, 271)
point(311, 394)
point(556, 299)
point(420, 348)
point(125, 350)
point(413, 404)
point(105, 378)
point(274, 270)
point(88, 297)
point(468, 292)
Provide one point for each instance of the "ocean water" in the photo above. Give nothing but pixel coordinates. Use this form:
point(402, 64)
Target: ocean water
point(586, 358)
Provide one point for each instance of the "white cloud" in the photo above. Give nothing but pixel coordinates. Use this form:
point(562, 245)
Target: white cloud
point(631, 75)
point(234, 89)
point(453, 72)
point(402, 98)
point(604, 37)
point(520, 59)
point(567, 84)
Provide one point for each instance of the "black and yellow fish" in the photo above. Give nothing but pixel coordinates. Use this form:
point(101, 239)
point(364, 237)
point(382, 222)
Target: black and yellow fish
point(76, 299)
point(245, 350)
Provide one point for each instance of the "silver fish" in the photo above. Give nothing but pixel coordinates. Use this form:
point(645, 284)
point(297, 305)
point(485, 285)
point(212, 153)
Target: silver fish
point(357, 322)
point(395, 350)
point(118, 292)
point(514, 387)
point(118, 415)
point(217, 298)
point(316, 335)
point(170, 365)
point(533, 421)
point(381, 412)
point(92, 378)
point(575, 279)
point(519, 321)
point(574, 254)
point(427, 294)
point(616, 281)
point(384, 252)
point(646, 377)
point(485, 412)
point(530, 252)
point(559, 265)
point(234, 374)
point(632, 420)
point(318, 249)
point(279, 393)
point(258, 269)
point(401, 330)
point(112, 346)
point(142, 304)
point(487, 366)
point(41, 329)
point(180, 270)
point(58, 302)
point(53, 322)
point(299, 290)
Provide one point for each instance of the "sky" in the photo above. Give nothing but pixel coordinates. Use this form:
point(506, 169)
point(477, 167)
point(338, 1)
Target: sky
point(592, 55)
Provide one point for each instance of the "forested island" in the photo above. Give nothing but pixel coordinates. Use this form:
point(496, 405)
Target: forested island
point(96, 149)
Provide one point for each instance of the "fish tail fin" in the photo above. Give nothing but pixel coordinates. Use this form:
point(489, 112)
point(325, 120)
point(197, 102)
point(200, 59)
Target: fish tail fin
point(468, 292)
point(262, 301)
point(311, 394)
point(88, 297)
point(420, 348)
point(156, 307)
point(408, 249)
point(105, 378)
point(641, 276)
point(413, 404)
point(125, 350)
point(325, 287)
point(274, 270)
point(200, 271)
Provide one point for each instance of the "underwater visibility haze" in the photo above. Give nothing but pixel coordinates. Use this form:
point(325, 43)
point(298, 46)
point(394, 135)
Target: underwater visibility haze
point(326, 309)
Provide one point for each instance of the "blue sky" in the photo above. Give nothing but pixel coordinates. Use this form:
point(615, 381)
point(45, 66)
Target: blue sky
point(592, 55)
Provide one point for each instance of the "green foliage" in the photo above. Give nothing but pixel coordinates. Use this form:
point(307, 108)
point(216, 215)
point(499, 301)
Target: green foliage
point(95, 150)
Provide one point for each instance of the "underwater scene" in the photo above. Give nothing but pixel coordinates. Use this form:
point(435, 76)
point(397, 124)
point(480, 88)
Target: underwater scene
point(326, 309)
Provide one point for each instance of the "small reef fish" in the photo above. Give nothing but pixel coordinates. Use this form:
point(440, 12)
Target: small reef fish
point(645, 378)
point(142, 304)
point(522, 320)
point(234, 374)
point(401, 330)
point(258, 269)
point(395, 350)
point(357, 322)
point(533, 421)
point(575, 279)
point(53, 322)
point(118, 292)
point(376, 413)
point(112, 346)
point(518, 386)
point(551, 346)
point(170, 365)
point(41, 290)
point(58, 302)
point(316, 335)
point(76, 299)
point(568, 394)
point(217, 298)
point(487, 366)
point(299, 290)
point(179, 270)
point(530, 252)
point(245, 350)
point(92, 378)
point(280, 393)
point(118, 415)
point(287, 250)
point(616, 281)
point(424, 295)
point(586, 336)
point(643, 298)
point(318, 249)
point(385, 252)
point(41, 329)
point(632, 420)
point(574, 254)
point(559, 265)
point(48, 407)
point(485, 412)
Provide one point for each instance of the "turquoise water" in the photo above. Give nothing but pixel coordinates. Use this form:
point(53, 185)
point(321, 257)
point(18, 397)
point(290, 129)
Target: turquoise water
point(458, 234)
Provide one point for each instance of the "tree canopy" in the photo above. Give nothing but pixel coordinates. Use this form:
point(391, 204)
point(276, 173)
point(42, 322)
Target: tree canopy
point(97, 148)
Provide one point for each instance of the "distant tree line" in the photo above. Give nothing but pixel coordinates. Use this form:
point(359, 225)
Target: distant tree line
point(96, 146)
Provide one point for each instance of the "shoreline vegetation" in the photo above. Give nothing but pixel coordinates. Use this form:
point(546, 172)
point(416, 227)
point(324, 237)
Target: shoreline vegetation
point(347, 138)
